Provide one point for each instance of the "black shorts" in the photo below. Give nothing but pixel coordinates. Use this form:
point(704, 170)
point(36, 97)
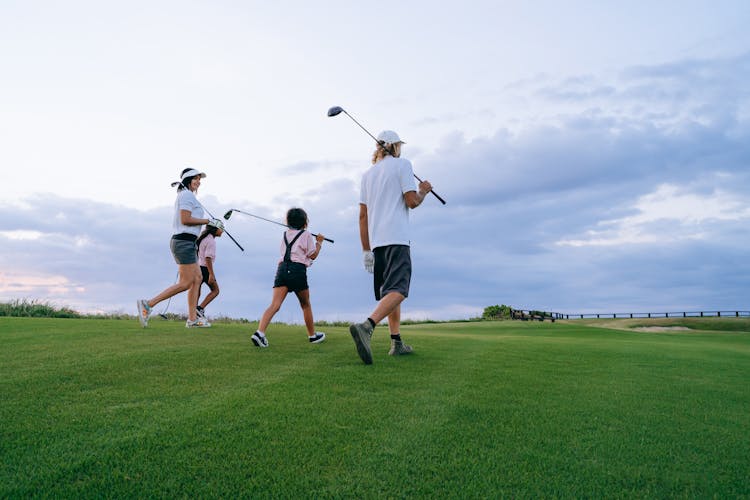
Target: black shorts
point(292, 275)
point(392, 270)
point(204, 272)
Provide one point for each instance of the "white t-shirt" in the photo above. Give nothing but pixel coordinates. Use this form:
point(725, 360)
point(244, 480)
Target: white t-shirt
point(186, 200)
point(382, 191)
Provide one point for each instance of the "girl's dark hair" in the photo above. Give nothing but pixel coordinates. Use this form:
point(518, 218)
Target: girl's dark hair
point(296, 218)
point(206, 231)
point(185, 184)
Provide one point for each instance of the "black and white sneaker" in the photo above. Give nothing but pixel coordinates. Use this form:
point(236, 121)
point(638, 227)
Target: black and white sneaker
point(259, 340)
point(200, 312)
point(317, 338)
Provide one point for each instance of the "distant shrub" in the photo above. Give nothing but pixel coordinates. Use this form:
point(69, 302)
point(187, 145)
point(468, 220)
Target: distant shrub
point(497, 312)
point(26, 308)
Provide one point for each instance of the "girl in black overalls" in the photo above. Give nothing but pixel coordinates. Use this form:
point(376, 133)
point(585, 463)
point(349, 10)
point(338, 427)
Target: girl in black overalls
point(299, 248)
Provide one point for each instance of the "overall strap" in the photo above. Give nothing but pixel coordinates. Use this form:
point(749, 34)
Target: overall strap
point(288, 253)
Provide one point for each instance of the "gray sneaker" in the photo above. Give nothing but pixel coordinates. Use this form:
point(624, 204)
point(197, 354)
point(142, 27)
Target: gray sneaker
point(362, 333)
point(398, 348)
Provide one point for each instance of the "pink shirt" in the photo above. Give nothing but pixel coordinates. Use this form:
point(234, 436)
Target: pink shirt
point(302, 248)
point(207, 248)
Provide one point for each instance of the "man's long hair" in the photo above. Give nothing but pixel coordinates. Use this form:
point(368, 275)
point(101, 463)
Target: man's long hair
point(384, 150)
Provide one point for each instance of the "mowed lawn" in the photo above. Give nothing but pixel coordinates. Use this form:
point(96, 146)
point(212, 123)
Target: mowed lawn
point(103, 408)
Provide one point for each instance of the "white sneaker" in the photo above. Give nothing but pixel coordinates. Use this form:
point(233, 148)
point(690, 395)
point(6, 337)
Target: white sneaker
point(144, 311)
point(198, 323)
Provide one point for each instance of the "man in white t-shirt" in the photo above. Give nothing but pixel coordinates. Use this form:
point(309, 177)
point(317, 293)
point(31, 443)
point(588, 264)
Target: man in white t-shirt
point(387, 193)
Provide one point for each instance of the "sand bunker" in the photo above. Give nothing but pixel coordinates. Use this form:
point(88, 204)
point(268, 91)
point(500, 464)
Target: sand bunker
point(660, 328)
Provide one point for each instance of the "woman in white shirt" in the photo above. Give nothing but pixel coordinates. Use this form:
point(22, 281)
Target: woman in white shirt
point(188, 218)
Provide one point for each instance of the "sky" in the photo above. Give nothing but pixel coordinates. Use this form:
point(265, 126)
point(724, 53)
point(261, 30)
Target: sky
point(594, 156)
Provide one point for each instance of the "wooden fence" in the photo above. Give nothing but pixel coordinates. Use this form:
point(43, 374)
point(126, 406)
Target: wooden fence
point(682, 314)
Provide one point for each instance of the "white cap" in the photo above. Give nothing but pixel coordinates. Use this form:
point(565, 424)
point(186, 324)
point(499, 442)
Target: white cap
point(192, 173)
point(389, 137)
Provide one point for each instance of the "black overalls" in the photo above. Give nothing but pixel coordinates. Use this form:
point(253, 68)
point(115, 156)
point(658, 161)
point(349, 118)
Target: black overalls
point(292, 275)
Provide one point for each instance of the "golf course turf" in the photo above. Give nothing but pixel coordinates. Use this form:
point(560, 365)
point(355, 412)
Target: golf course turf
point(104, 408)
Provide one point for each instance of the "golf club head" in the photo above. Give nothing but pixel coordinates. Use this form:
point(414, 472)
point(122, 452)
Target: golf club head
point(228, 214)
point(335, 110)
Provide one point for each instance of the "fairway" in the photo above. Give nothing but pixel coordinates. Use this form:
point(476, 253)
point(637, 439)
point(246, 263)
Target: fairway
point(103, 408)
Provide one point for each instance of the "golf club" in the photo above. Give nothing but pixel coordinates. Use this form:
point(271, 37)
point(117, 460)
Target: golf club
point(163, 314)
point(336, 110)
point(211, 215)
point(229, 214)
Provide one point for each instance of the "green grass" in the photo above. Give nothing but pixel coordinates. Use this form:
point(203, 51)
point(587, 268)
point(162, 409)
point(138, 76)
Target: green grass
point(103, 408)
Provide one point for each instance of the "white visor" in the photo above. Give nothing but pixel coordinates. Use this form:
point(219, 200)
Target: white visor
point(192, 173)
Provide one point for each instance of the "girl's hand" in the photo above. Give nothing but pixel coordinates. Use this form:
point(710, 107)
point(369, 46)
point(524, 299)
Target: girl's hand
point(319, 238)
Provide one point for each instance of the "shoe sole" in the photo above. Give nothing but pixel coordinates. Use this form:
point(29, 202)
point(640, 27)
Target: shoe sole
point(318, 341)
point(404, 353)
point(363, 349)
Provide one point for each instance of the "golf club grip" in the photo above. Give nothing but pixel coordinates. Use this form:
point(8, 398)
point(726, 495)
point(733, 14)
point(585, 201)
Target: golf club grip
point(438, 197)
point(327, 239)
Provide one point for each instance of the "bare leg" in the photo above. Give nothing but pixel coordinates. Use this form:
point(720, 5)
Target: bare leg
point(388, 305)
point(279, 294)
point(193, 293)
point(307, 314)
point(187, 274)
point(394, 321)
point(211, 295)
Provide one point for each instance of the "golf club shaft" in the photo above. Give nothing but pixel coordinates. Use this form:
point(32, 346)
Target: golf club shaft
point(226, 216)
point(225, 231)
point(377, 141)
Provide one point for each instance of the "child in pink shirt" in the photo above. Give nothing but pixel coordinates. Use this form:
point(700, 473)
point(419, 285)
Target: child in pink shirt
point(298, 249)
point(206, 257)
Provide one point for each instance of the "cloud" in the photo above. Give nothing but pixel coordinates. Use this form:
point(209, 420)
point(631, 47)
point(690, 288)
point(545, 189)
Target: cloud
point(32, 285)
point(668, 213)
point(629, 192)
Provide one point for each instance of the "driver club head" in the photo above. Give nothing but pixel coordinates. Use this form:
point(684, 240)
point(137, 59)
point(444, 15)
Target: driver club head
point(228, 215)
point(335, 110)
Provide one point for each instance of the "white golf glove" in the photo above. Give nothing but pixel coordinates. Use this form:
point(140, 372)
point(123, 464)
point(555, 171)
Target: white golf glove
point(369, 260)
point(216, 223)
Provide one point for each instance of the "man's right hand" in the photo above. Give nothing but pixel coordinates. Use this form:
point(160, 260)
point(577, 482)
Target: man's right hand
point(424, 188)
